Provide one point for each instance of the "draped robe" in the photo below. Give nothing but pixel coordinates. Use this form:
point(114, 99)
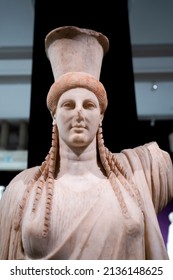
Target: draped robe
point(99, 222)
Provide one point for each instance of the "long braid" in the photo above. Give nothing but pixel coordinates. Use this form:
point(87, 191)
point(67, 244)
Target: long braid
point(27, 191)
point(44, 175)
point(102, 151)
point(40, 182)
point(125, 179)
point(111, 164)
point(50, 180)
point(104, 155)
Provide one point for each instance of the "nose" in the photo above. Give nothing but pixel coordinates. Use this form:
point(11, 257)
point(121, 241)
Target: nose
point(79, 114)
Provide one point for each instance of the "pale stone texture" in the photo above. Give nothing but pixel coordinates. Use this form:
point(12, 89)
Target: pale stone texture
point(85, 202)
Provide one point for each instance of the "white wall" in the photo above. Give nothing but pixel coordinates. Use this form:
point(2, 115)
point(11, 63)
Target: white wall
point(151, 21)
point(151, 24)
point(16, 23)
point(16, 42)
point(16, 32)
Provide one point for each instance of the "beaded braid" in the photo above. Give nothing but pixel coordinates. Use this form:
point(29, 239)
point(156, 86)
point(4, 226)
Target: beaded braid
point(44, 175)
point(102, 151)
point(50, 183)
point(111, 164)
point(27, 192)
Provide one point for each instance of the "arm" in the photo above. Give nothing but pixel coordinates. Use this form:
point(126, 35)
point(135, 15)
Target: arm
point(10, 238)
point(151, 167)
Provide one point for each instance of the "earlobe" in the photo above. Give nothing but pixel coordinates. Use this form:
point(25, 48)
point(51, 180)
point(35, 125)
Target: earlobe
point(101, 118)
point(100, 123)
point(54, 120)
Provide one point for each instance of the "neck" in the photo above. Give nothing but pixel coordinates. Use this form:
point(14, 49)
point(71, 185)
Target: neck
point(78, 161)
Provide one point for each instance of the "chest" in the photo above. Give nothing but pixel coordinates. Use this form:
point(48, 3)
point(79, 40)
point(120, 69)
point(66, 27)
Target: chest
point(77, 212)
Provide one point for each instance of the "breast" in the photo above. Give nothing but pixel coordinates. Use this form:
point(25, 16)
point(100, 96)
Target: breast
point(81, 221)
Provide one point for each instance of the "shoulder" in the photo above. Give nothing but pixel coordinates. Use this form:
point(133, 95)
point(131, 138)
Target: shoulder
point(143, 151)
point(18, 184)
point(25, 176)
point(144, 156)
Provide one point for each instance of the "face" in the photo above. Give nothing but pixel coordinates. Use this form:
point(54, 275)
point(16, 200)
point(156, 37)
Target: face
point(78, 116)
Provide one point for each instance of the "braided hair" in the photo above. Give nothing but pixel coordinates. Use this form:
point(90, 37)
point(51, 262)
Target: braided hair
point(49, 168)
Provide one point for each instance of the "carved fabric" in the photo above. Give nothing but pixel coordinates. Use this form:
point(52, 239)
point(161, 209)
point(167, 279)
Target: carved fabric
point(97, 229)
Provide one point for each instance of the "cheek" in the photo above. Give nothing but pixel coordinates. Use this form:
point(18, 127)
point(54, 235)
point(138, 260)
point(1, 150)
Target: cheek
point(94, 122)
point(63, 121)
point(59, 122)
point(60, 118)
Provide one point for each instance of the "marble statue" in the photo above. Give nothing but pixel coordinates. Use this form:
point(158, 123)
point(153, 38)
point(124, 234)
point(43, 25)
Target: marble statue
point(85, 202)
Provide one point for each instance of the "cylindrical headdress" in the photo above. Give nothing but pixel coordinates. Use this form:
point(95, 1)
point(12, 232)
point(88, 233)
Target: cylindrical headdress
point(76, 56)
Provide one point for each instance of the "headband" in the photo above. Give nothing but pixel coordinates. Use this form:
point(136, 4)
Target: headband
point(72, 80)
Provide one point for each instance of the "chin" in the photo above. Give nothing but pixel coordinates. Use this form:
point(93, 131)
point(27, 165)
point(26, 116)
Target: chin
point(79, 142)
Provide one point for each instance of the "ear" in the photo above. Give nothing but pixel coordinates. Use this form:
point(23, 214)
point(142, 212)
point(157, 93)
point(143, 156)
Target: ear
point(101, 117)
point(53, 119)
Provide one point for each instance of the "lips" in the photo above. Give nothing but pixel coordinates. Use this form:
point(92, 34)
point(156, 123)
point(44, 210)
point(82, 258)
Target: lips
point(78, 126)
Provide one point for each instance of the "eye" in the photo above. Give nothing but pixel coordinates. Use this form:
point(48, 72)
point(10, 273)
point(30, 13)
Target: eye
point(68, 105)
point(89, 105)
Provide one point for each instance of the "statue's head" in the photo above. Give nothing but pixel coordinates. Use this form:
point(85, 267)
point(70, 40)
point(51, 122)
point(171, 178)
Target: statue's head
point(76, 57)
